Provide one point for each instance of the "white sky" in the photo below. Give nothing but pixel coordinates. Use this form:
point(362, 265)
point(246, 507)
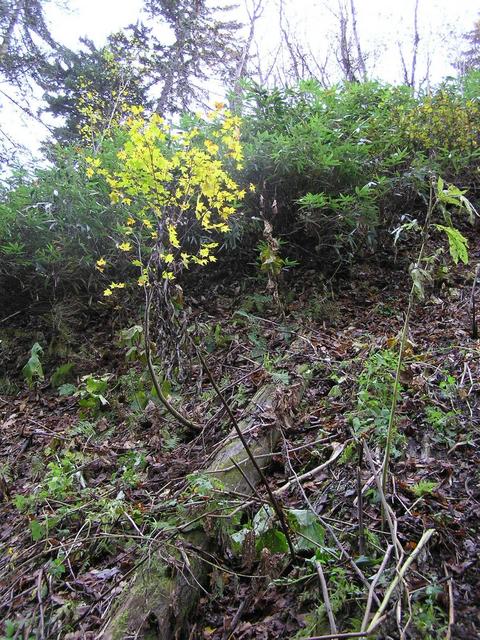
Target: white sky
point(381, 24)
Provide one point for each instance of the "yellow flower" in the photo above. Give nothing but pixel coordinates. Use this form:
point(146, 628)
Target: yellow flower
point(252, 188)
point(130, 221)
point(147, 223)
point(100, 264)
point(168, 275)
point(107, 292)
point(125, 246)
point(117, 285)
point(219, 106)
point(143, 279)
point(90, 172)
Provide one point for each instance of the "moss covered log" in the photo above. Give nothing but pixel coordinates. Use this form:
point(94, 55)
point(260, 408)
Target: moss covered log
point(161, 597)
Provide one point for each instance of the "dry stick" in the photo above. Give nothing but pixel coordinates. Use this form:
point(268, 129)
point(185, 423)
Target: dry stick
point(387, 511)
point(40, 603)
point(451, 609)
point(275, 504)
point(399, 615)
point(473, 305)
point(323, 522)
point(314, 472)
point(371, 591)
point(171, 409)
point(326, 598)
point(361, 532)
point(318, 565)
point(400, 575)
point(352, 634)
point(403, 340)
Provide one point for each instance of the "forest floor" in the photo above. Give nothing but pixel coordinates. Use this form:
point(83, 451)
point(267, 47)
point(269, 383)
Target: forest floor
point(83, 496)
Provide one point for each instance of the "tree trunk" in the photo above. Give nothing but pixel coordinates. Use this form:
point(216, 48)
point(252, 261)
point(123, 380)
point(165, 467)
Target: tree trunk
point(165, 590)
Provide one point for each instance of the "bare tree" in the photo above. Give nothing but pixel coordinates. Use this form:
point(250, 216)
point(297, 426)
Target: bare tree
point(349, 54)
point(254, 10)
point(409, 76)
point(356, 39)
point(295, 59)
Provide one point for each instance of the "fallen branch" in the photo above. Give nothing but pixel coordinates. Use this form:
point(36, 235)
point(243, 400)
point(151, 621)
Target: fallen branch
point(165, 589)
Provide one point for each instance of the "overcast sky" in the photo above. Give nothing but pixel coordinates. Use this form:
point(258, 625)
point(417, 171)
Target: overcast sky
point(382, 25)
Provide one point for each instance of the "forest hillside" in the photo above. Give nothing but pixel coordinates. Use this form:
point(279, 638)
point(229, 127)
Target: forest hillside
point(239, 350)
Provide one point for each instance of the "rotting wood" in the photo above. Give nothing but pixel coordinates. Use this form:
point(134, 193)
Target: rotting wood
point(163, 594)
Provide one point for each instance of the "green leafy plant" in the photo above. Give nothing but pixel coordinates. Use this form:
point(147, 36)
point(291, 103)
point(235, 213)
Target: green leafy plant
point(444, 423)
point(33, 370)
point(374, 397)
point(439, 198)
point(92, 391)
point(271, 261)
point(424, 488)
point(133, 340)
point(428, 618)
point(132, 463)
point(62, 375)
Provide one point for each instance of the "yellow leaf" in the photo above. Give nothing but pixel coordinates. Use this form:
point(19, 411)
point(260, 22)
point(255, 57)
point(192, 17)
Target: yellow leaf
point(172, 236)
point(100, 264)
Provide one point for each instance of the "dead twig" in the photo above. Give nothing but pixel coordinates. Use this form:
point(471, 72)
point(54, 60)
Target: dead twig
point(361, 533)
point(451, 606)
point(337, 451)
point(325, 524)
point(40, 604)
point(326, 598)
point(386, 509)
point(371, 591)
point(399, 577)
point(353, 634)
point(472, 304)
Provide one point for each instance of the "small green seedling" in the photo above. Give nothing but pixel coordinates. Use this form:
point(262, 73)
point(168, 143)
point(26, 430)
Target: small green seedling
point(33, 370)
